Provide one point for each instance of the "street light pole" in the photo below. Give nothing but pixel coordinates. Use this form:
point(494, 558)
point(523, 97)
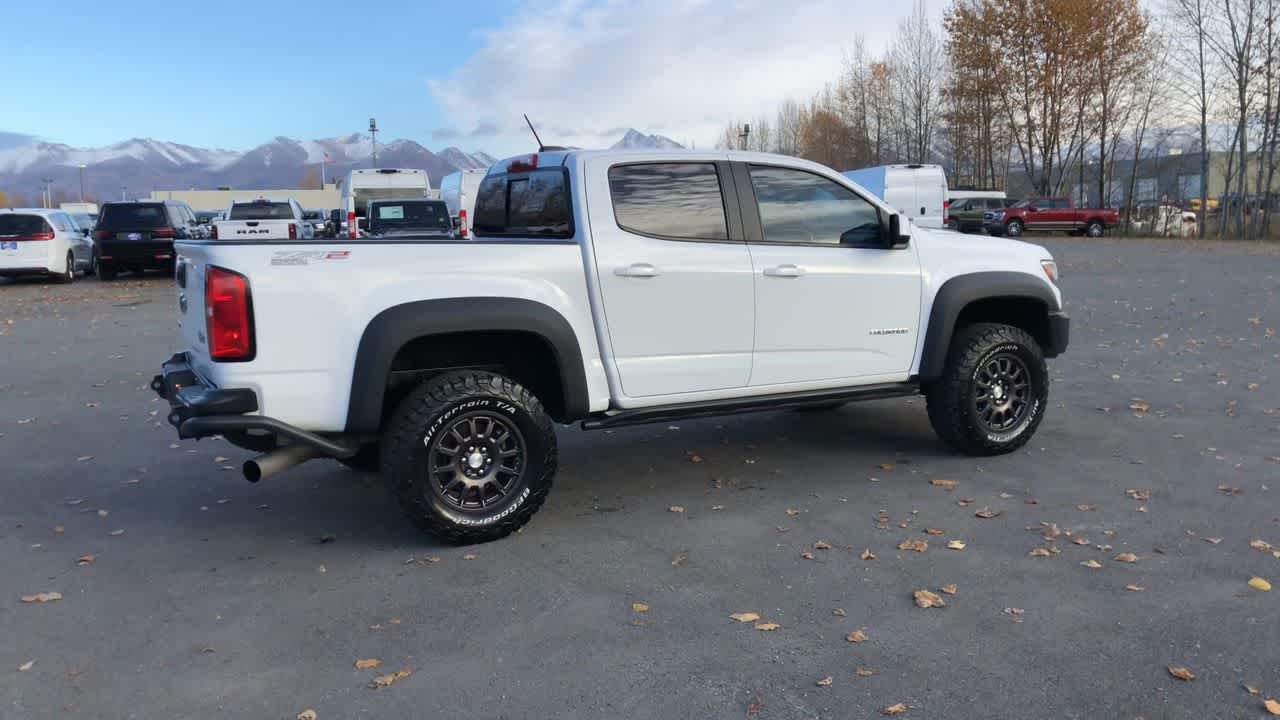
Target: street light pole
point(81, 182)
point(373, 134)
point(122, 189)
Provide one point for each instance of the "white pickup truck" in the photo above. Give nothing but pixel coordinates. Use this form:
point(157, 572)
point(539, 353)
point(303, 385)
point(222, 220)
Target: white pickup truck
point(264, 219)
point(606, 288)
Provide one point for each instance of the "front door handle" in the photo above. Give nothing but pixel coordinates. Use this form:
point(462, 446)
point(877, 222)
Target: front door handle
point(785, 271)
point(637, 270)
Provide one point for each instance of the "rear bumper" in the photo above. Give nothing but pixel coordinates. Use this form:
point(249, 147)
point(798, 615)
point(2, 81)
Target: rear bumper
point(1059, 335)
point(197, 409)
point(152, 254)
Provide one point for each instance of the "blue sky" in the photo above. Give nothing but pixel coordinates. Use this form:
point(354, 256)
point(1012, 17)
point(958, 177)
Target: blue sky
point(235, 74)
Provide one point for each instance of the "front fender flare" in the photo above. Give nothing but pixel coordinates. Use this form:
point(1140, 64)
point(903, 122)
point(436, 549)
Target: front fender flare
point(392, 328)
point(958, 292)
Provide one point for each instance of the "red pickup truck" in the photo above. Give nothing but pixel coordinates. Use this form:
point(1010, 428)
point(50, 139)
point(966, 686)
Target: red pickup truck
point(1049, 214)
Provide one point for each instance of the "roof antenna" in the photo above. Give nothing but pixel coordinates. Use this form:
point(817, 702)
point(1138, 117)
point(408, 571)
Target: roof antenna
point(541, 147)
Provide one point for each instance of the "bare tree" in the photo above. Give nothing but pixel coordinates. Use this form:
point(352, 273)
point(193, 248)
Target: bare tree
point(787, 134)
point(1236, 49)
point(1190, 22)
point(917, 56)
point(1150, 90)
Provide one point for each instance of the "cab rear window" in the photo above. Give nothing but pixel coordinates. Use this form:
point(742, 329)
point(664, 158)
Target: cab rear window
point(525, 204)
point(262, 211)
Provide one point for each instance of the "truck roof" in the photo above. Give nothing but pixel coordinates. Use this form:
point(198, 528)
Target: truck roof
point(553, 158)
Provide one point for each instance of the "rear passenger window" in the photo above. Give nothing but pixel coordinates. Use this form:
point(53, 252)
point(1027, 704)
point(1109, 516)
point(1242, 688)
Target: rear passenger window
point(681, 201)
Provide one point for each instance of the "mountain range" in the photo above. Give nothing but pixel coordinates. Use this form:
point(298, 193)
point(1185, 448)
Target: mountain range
point(138, 166)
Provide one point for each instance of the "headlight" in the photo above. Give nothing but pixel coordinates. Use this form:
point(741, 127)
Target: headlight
point(1050, 270)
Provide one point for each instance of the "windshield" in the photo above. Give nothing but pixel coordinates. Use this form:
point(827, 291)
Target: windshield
point(430, 215)
point(260, 210)
point(1022, 203)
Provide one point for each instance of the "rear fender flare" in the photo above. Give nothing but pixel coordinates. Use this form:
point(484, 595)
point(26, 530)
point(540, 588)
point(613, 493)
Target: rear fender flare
point(396, 326)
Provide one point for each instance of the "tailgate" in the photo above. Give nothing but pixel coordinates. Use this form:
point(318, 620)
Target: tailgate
point(254, 229)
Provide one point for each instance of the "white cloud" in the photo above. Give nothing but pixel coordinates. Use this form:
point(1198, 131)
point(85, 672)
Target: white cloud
point(687, 66)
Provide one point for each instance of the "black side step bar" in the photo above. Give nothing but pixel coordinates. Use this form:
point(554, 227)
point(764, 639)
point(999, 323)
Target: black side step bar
point(732, 406)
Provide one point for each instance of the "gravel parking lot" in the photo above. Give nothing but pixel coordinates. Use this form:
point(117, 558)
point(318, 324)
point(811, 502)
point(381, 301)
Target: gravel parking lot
point(187, 592)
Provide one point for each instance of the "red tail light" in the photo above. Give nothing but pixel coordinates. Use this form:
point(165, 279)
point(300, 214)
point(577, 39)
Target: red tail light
point(102, 234)
point(946, 210)
point(462, 223)
point(293, 231)
point(163, 232)
point(351, 225)
point(523, 165)
point(228, 308)
point(33, 237)
point(213, 232)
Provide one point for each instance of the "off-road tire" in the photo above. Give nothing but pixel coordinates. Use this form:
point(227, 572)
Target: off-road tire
point(950, 398)
point(426, 414)
point(366, 460)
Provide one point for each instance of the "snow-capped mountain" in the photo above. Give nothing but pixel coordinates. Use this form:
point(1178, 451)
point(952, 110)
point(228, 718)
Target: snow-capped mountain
point(141, 165)
point(636, 140)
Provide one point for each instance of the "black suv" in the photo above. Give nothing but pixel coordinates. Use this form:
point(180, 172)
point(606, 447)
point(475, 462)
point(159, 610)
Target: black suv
point(139, 235)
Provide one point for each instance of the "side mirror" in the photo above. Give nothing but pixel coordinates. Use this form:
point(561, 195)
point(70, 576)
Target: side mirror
point(84, 232)
point(1033, 208)
point(895, 239)
point(457, 222)
point(362, 223)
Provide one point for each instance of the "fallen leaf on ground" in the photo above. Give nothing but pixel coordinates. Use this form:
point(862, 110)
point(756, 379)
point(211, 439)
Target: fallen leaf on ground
point(1091, 563)
point(933, 531)
point(863, 672)
point(1040, 552)
point(1141, 495)
point(986, 513)
point(695, 458)
point(824, 682)
point(26, 666)
point(745, 617)
point(1051, 531)
point(895, 709)
point(383, 681)
point(1086, 508)
point(946, 484)
point(857, 636)
point(1250, 689)
point(208, 649)
point(806, 555)
point(84, 458)
point(914, 545)
point(1126, 557)
point(221, 458)
point(821, 545)
point(679, 559)
point(1134, 588)
point(367, 663)
point(1272, 707)
point(949, 589)
point(926, 599)
point(868, 555)
point(793, 512)
point(1080, 541)
point(1181, 673)
point(307, 715)
point(86, 559)
point(1259, 545)
point(639, 607)
point(885, 466)
point(839, 612)
point(469, 556)
point(956, 545)
point(116, 533)
point(42, 597)
point(767, 626)
point(1258, 583)
point(676, 509)
point(59, 529)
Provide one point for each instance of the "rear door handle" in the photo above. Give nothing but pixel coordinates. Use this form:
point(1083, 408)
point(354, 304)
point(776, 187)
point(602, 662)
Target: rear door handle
point(637, 270)
point(785, 271)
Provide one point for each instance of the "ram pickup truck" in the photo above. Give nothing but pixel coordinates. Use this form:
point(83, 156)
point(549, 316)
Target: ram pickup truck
point(608, 289)
point(264, 219)
point(1049, 214)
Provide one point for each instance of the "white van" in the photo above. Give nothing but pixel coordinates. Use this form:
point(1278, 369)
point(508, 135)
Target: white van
point(361, 186)
point(918, 192)
point(458, 191)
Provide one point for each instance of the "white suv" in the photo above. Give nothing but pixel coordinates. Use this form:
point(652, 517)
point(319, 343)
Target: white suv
point(41, 241)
